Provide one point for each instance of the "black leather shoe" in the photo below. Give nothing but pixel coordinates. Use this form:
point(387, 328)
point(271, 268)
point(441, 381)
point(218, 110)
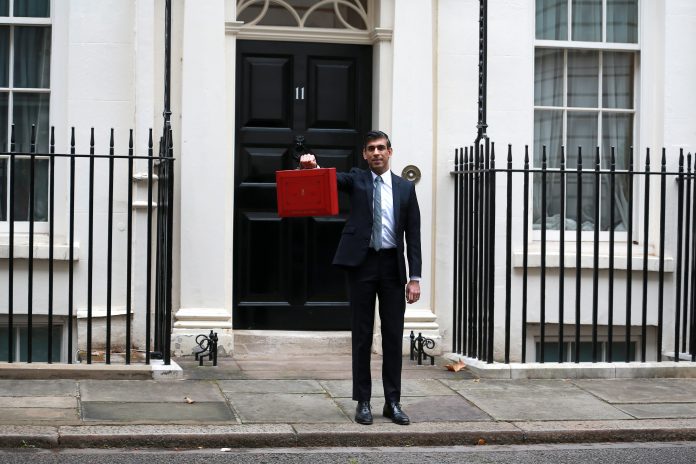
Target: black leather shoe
point(363, 415)
point(393, 411)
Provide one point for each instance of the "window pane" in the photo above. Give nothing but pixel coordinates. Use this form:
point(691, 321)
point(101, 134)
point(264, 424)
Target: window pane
point(583, 79)
point(582, 133)
point(3, 122)
point(587, 20)
point(617, 132)
point(4, 7)
point(4, 351)
point(32, 8)
point(552, 19)
point(618, 351)
point(548, 77)
point(22, 190)
point(622, 21)
point(327, 16)
point(617, 80)
point(39, 344)
point(550, 352)
point(31, 109)
point(32, 63)
point(585, 351)
point(4, 56)
point(548, 132)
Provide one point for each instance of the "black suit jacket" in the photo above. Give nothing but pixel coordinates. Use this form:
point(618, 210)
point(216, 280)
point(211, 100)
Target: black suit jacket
point(355, 239)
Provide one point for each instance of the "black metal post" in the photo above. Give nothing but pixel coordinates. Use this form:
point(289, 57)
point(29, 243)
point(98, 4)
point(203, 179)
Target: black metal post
point(687, 234)
point(525, 250)
point(483, 71)
point(680, 226)
point(629, 255)
point(71, 251)
point(10, 261)
point(148, 266)
point(30, 278)
point(90, 247)
point(542, 278)
point(595, 254)
point(561, 258)
point(661, 269)
point(491, 256)
point(508, 254)
point(463, 251)
point(51, 201)
point(646, 229)
point(578, 256)
point(612, 228)
point(109, 247)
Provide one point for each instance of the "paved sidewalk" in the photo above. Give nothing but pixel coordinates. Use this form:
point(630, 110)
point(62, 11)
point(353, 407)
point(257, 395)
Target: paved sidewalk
point(250, 402)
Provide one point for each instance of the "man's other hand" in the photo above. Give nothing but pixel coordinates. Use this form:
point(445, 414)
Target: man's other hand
point(308, 161)
point(412, 291)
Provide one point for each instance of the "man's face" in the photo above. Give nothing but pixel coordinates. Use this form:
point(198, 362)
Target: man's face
point(377, 155)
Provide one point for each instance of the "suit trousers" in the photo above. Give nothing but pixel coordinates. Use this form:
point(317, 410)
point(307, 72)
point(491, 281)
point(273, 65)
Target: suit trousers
point(377, 277)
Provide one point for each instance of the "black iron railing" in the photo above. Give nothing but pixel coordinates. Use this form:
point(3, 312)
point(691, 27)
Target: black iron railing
point(100, 200)
point(559, 336)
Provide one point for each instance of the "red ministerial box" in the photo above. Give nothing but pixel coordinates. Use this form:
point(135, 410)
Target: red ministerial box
point(307, 192)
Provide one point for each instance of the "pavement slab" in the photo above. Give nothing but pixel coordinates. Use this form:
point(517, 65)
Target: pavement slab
point(286, 408)
point(134, 413)
point(442, 408)
point(54, 402)
point(409, 387)
point(641, 390)
point(226, 369)
point(38, 388)
point(230, 387)
point(39, 416)
point(659, 410)
point(144, 391)
point(423, 409)
point(344, 388)
point(295, 374)
point(519, 400)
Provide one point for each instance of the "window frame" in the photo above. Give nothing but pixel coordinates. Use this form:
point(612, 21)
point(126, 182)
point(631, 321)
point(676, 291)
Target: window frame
point(22, 227)
point(601, 47)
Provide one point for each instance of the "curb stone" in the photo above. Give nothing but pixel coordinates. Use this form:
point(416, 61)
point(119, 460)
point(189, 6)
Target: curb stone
point(337, 435)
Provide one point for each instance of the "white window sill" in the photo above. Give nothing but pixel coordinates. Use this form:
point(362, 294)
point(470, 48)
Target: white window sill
point(61, 251)
point(587, 257)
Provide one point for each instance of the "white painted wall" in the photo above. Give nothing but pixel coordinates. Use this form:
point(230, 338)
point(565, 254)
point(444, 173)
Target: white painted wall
point(107, 72)
point(412, 115)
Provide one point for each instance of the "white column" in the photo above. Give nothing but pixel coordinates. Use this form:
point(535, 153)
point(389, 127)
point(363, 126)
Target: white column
point(404, 96)
point(204, 168)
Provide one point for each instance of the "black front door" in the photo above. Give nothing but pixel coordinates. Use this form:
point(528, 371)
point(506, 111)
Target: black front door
point(283, 277)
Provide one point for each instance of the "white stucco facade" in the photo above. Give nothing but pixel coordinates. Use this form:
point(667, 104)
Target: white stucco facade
point(107, 72)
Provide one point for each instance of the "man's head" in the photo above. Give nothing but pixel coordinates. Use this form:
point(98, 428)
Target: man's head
point(377, 151)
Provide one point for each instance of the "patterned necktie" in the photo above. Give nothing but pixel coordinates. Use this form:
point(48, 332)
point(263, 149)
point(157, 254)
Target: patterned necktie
point(377, 215)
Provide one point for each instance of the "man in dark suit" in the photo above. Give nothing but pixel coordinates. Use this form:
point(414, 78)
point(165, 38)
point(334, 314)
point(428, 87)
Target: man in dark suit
point(384, 211)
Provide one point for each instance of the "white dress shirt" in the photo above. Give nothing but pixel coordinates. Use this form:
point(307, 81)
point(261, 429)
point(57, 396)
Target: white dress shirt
point(388, 226)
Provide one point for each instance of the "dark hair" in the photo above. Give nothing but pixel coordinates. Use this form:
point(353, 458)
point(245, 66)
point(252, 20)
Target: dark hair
point(374, 135)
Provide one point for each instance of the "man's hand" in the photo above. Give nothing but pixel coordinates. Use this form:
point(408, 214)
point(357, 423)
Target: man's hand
point(412, 291)
point(308, 161)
